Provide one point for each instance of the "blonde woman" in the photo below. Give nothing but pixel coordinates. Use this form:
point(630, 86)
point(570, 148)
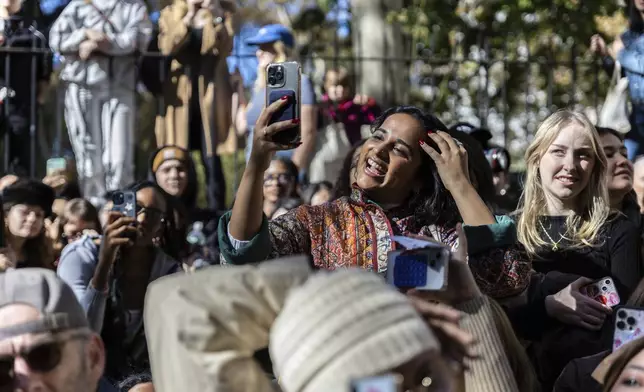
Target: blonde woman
point(568, 231)
point(275, 44)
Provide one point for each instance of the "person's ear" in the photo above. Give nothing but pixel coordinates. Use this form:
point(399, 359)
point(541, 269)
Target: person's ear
point(95, 352)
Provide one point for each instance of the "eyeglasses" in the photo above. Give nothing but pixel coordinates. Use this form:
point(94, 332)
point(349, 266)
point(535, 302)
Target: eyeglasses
point(41, 358)
point(280, 178)
point(154, 213)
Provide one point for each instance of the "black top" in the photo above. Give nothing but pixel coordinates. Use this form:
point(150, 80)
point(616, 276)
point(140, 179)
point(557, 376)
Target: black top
point(617, 255)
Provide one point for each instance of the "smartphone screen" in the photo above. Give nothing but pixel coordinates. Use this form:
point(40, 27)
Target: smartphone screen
point(386, 383)
point(55, 165)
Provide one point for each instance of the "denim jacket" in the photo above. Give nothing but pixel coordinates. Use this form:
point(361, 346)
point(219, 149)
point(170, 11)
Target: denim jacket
point(632, 60)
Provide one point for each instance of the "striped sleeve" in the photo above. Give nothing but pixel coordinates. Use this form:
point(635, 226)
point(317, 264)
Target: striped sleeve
point(491, 372)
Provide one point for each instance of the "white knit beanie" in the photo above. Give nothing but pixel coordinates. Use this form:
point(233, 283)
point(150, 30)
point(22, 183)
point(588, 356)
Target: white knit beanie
point(344, 325)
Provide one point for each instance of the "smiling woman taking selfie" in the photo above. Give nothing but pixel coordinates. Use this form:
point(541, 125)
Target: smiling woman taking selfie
point(404, 185)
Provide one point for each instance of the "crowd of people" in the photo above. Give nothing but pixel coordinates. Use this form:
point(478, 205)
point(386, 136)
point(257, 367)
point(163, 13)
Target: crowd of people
point(286, 290)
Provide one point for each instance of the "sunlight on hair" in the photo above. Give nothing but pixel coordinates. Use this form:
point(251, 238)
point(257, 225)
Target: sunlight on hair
point(593, 206)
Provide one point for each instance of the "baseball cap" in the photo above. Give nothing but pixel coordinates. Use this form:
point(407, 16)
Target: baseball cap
point(45, 291)
point(272, 33)
point(480, 134)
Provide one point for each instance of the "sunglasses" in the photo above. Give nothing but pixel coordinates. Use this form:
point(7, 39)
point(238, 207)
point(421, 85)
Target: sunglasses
point(41, 358)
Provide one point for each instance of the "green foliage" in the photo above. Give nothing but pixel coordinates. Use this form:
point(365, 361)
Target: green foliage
point(527, 48)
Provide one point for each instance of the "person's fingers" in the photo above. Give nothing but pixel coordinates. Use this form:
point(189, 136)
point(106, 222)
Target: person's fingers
point(266, 114)
point(435, 311)
point(278, 127)
point(598, 307)
point(451, 142)
point(436, 157)
point(592, 319)
point(588, 326)
point(440, 142)
point(462, 340)
point(121, 221)
point(581, 282)
point(121, 241)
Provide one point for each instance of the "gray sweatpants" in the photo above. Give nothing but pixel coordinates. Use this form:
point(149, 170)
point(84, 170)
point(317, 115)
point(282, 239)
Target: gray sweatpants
point(100, 122)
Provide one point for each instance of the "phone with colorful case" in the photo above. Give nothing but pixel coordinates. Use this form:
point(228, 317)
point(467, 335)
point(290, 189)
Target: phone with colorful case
point(603, 291)
point(629, 324)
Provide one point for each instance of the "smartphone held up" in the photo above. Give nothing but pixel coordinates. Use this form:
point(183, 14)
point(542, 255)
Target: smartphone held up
point(283, 81)
point(422, 265)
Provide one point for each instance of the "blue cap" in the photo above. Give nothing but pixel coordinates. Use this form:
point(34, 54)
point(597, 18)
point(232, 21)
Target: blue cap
point(272, 33)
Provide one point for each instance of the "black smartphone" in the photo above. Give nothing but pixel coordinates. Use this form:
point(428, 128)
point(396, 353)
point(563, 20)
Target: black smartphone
point(283, 80)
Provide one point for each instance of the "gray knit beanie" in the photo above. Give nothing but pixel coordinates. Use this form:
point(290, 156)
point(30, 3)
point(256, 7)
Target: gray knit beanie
point(344, 325)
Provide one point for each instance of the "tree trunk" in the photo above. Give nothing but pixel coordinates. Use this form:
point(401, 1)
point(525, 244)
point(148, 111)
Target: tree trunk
point(379, 49)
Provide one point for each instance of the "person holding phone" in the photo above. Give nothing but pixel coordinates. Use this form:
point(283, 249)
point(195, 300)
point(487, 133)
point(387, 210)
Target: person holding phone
point(275, 44)
point(403, 185)
point(110, 274)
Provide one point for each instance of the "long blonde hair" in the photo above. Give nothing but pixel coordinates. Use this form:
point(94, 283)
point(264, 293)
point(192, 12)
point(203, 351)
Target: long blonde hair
point(583, 227)
point(282, 54)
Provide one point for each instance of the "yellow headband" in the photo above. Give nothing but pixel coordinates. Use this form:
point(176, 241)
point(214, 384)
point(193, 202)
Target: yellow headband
point(166, 154)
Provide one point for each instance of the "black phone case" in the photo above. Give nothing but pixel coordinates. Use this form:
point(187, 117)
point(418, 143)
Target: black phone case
point(287, 112)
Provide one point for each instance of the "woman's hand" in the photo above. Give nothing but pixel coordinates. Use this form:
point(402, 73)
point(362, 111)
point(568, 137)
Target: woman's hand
point(263, 145)
point(7, 259)
point(461, 286)
point(598, 45)
point(56, 181)
point(451, 162)
point(572, 307)
point(616, 47)
point(120, 231)
point(457, 344)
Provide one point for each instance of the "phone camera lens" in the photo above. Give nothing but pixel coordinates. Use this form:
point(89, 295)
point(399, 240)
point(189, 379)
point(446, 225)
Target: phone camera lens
point(118, 198)
point(271, 80)
point(279, 75)
point(621, 314)
point(631, 321)
point(271, 71)
point(604, 288)
point(621, 325)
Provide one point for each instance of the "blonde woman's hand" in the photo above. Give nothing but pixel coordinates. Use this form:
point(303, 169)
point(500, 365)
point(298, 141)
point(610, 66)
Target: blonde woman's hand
point(86, 49)
point(451, 161)
point(616, 47)
point(572, 307)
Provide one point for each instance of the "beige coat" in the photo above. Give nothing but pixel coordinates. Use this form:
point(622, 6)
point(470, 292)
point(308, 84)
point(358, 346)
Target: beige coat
point(215, 92)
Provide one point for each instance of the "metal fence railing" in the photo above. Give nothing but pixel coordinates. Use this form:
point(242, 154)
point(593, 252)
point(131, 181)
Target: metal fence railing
point(485, 88)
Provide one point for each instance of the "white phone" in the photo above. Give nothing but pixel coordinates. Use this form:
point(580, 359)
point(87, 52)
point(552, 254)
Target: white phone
point(629, 323)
